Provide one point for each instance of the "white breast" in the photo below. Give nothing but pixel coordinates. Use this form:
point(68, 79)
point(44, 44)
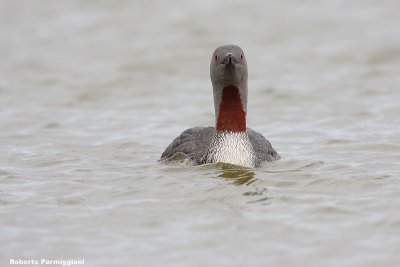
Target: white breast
point(231, 147)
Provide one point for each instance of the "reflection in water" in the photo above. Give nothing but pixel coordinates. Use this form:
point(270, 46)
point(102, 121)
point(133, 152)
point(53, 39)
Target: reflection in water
point(239, 175)
point(242, 176)
point(178, 158)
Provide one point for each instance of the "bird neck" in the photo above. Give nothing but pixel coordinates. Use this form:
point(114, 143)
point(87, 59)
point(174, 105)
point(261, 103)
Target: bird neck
point(231, 114)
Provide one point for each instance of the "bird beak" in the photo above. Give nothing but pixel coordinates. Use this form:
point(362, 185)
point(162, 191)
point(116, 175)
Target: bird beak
point(229, 59)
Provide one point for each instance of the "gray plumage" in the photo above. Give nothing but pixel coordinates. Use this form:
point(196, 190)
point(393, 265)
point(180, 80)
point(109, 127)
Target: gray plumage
point(194, 143)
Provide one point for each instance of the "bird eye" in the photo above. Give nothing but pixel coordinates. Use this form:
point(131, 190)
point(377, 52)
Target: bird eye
point(215, 57)
point(241, 56)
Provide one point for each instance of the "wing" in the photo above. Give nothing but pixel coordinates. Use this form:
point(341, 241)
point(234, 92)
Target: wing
point(192, 142)
point(262, 147)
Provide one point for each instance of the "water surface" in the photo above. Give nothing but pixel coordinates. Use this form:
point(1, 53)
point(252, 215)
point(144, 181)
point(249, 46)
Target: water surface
point(91, 93)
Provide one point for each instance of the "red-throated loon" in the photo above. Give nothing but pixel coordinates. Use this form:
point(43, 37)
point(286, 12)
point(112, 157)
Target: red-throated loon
point(230, 141)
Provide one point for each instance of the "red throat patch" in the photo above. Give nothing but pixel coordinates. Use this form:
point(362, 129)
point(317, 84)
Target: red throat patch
point(231, 115)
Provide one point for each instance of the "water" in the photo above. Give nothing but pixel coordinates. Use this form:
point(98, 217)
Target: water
point(91, 93)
